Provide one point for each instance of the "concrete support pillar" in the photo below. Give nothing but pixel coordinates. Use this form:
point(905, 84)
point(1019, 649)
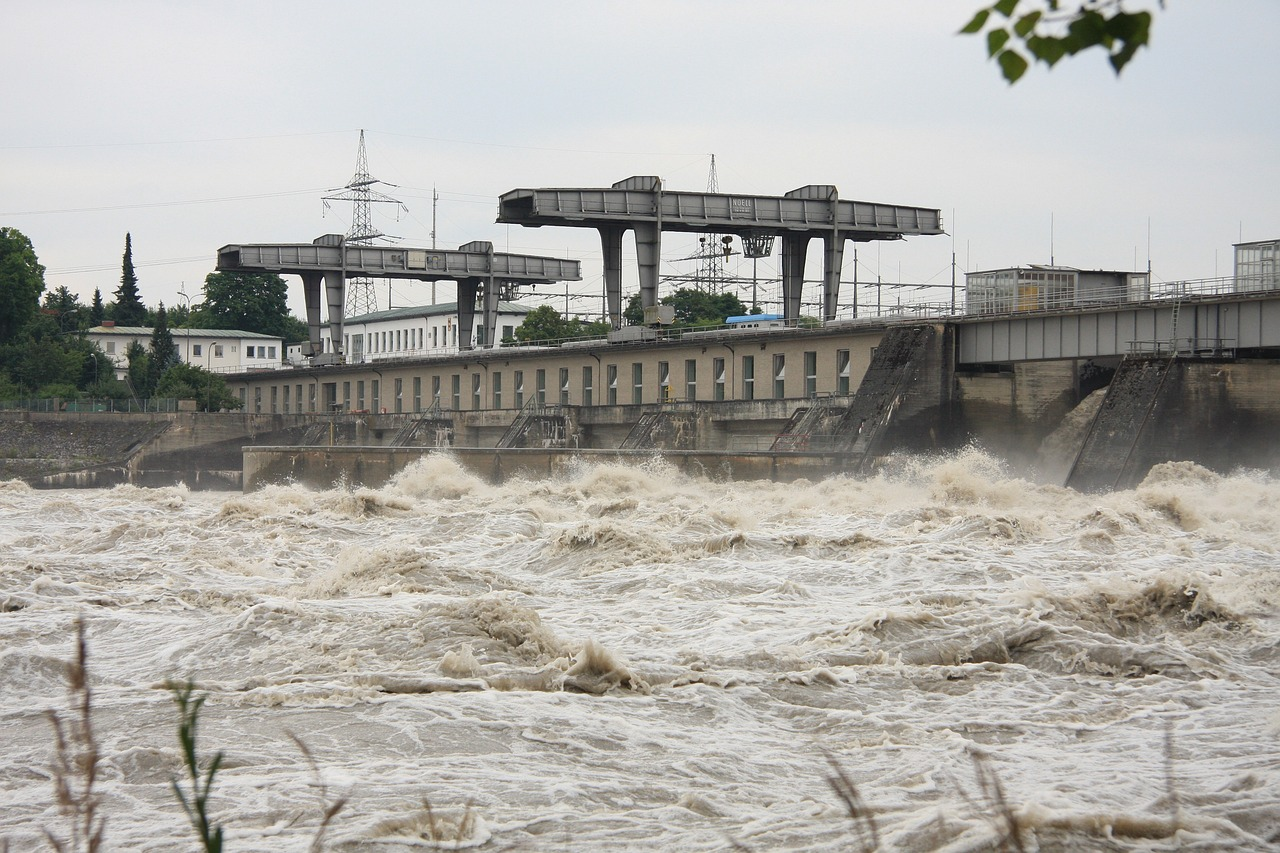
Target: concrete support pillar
point(648, 258)
point(794, 249)
point(467, 290)
point(335, 287)
point(311, 298)
point(491, 293)
point(611, 251)
point(833, 259)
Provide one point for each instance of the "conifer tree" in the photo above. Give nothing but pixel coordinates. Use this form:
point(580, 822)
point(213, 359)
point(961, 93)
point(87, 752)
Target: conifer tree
point(97, 313)
point(129, 310)
point(162, 353)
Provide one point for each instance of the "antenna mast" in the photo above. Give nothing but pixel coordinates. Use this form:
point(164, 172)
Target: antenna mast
point(360, 293)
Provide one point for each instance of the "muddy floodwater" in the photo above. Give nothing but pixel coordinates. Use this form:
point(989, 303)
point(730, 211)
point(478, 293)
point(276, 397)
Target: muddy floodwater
point(627, 658)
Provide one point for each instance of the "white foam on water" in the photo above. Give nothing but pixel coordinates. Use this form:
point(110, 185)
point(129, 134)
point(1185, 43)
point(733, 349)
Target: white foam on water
point(633, 658)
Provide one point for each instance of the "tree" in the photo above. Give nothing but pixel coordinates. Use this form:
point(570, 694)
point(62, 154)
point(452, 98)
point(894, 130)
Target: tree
point(162, 353)
point(544, 323)
point(1046, 33)
point(139, 368)
point(64, 306)
point(248, 302)
point(191, 382)
point(21, 283)
point(129, 310)
point(97, 313)
point(693, 308)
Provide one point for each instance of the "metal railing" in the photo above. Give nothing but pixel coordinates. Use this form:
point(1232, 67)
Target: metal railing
point(89, 404)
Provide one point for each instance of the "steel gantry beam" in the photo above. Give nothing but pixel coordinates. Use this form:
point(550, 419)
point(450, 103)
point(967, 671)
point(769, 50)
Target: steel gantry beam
point(330, 259)
point(640, 204)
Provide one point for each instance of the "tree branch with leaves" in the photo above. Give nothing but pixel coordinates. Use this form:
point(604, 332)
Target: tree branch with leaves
point(1019, 33)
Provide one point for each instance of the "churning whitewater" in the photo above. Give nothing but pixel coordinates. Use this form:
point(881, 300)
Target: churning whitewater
point(628, 658)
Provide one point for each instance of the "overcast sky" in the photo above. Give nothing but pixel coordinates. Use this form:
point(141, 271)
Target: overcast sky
point(195, 125)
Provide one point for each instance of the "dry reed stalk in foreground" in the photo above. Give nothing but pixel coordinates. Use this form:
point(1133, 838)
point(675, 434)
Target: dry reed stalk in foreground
point(863, 821)
point(75, 765)
point(328, 811)
point(995, 807)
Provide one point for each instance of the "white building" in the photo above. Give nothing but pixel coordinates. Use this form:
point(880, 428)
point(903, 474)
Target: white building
point(414, 332)
point(1040, 288)
point(1258, 265)
point(218, 350)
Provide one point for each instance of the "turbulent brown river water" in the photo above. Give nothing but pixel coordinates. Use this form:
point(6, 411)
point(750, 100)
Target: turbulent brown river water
point(630, 659)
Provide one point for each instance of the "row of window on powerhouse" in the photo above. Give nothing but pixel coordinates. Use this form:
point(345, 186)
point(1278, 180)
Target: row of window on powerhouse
point(197, 350)
point(289, 398)
point(408, 340)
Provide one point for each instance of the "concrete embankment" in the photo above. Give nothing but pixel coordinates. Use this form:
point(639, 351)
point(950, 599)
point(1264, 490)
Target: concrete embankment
point(103, 449)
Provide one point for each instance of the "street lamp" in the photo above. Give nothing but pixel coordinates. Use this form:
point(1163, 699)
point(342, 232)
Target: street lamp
point(186, 323)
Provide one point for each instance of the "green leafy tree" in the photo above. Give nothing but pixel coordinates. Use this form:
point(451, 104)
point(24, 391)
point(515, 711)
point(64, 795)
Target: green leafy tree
point(21, 283)
point(128, 310)
point(139, 369)
point(1020, 32)
point(190, 382)
point(248, 302)
point(544, 323)
point(693, 307)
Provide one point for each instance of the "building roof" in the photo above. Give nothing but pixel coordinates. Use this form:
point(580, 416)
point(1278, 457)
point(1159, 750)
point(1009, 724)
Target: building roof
point(437, 310)
point(180, 332)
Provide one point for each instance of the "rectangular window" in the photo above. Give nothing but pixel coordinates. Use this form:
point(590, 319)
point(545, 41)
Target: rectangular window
point(399, 386)
point(748, 377)
point(275, 395)
point(779, 376)
point(717, 373)
point(811, 374)
point(612, 384)
point(637, 383)
point(564, 386)
point(197, 350)
point(111, 347)
point(476, 403)
point(360, 407)
point(217, 350)
point(311, 397)
point(455, 388)
point(690, 379)
point(346, 395)
point(435, 391)
point(497, 389)
point(435, 336)
point(586, 386)
point(286, 399)
point(375, 392)
point(540, 382)
point(842, 371)
point(417, 393)
point(248, 352)
point(508, 333)
point(664, 382)
point(298, 397)
point(519, 383)
point(257, 399)
point(271, 352)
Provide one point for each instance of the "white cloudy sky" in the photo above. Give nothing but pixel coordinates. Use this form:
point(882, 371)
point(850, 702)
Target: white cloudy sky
point(197, 124)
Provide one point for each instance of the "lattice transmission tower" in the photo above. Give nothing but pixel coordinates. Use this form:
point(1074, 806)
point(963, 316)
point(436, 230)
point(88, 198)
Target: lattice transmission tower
point(712, 252)
point(361, 298)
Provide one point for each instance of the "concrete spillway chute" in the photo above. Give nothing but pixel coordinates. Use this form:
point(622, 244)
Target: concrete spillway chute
point(330, 260)
point(640, 204)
